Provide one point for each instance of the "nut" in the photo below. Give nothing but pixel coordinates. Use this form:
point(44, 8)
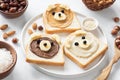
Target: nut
point(30, 31)
point(10, 33)
point(40, 28)
point(14, 40)
point(116, 19)
point(5, 36)
point(34, 26)
point(4, 26)
point(114, 32)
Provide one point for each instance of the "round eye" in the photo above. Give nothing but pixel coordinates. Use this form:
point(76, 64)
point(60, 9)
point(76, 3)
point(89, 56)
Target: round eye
point(84, 42)
point(52, 43)
point(83, 37)
point(38, 41)
point(62, 11)
point(76, 44)
point(53, 13)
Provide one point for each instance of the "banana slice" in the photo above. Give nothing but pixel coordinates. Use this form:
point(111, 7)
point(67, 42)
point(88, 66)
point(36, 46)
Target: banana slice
point(45, 45)
point(84, 43)
point(59, 16)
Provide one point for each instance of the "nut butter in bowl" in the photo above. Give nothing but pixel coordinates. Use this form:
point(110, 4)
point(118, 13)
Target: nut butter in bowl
point(13, 8)
point(8, 58)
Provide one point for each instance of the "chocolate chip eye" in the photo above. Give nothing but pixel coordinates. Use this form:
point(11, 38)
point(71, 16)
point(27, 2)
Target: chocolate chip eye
point(84, 42)
point(45, 44)
point(62, 11)
point(83, 37)
point(53, 13)
point(76, 43)
point(38, 41)
point(52, 43)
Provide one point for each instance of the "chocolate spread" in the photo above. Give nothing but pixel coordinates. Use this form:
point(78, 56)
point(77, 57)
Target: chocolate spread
point(34, 47)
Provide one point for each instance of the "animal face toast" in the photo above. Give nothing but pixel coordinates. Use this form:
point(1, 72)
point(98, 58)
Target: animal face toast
point(83, 47)
point(59, 18)
point(59, 15)
point(45, 49)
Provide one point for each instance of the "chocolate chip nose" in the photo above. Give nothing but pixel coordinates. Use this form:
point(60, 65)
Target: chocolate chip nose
point(59, 14)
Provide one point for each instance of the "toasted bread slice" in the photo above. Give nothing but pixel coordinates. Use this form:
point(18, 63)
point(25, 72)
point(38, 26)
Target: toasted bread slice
point(70, 24)
point(56, 60)
point(83, 54)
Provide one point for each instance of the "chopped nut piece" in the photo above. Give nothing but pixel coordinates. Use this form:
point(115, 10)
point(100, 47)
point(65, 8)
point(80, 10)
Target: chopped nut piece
point(4, 26)
point(34, 26)
point(14, 40)
point(5, 36)
point(116, 19)
point(30, 31)
point(10, 33)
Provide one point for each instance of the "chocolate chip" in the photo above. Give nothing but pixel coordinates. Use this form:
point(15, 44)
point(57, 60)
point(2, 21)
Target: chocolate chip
point(38, 41)
point(53, 13)
point(84, 42)
point(52, 43)
point(62, 11)
point(76, 43)
point(83, 37)
point(59, 15)
point(45, 44)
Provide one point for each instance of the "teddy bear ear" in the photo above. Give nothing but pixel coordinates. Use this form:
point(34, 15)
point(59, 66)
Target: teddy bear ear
point(56, 38)
point(64, 6)
point(50, 7)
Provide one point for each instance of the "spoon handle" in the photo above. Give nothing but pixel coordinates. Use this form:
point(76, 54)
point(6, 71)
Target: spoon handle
point(106, 71)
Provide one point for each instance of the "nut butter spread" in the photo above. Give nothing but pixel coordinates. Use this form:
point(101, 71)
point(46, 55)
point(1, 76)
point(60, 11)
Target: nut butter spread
point(83, 44)
point(44, 47)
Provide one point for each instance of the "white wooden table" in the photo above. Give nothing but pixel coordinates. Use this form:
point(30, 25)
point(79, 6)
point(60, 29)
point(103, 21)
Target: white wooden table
point(24, 71)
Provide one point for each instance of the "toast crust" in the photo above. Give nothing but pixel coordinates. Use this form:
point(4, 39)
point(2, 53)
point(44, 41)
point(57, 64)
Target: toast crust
point(83, 62)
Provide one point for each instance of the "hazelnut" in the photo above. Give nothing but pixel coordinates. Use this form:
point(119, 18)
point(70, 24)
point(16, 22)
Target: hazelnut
point(30, 31)
point(117, 42)
point(116, 19)
point(40, 28)
point(14, 40)
point(4, 26)
point(114, 32)
point(13, 9)
point(117, 27)
point(118, 46)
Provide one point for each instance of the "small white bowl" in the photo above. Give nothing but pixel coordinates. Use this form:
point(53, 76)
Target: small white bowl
point(89, 24)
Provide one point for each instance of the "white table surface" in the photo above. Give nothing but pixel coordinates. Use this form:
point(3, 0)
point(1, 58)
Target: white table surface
point(24, 71)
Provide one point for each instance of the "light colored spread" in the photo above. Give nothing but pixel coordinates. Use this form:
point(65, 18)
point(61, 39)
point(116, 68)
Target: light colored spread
point(90, 24)
point(59, 16)
point(83, 45)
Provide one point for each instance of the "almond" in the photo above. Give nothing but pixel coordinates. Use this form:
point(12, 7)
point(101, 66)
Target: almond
point(4, 26)
point(10, 33)
point(30, 31)
point(5, 36)
point(34, 26)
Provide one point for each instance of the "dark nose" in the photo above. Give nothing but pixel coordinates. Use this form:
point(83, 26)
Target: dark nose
point(59, 15)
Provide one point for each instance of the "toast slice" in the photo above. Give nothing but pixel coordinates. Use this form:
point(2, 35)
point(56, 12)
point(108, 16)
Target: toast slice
point(56, 60)
point(70, 24)
point(86, 53)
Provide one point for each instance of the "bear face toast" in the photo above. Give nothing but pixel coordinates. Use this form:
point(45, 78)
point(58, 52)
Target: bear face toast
point(60, 18)
point(83, 47)
point(45, 49)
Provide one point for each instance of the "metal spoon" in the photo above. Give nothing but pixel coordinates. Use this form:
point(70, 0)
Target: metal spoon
point(106, 71)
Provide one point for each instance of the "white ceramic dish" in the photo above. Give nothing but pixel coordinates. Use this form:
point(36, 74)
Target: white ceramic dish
point(70, 69)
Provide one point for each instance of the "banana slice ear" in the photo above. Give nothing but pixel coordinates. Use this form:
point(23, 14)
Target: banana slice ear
point(64, 6)
point(50, 7)
point(56, 38)
point(35, 36)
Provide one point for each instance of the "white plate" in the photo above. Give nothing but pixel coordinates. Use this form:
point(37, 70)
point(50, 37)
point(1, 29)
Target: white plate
point(70, 69)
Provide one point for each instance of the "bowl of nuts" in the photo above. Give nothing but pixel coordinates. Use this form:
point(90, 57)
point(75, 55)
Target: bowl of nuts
point(13, 8)
point(8, 59)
